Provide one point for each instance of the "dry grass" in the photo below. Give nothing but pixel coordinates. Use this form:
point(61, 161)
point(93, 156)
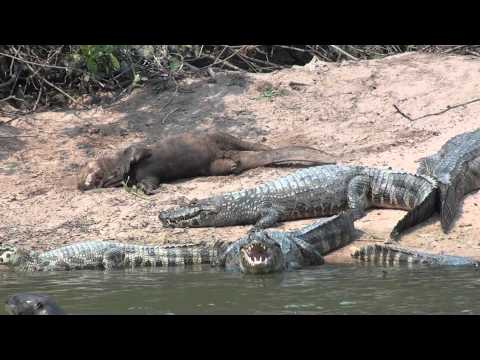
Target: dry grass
point(40, 77)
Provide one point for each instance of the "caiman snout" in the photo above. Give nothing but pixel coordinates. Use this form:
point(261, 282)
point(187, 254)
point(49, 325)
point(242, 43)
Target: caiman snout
point(260, 257)
point(189, 216)
point(6, 254)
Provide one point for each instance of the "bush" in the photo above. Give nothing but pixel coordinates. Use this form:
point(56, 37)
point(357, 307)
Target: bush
point(34, 77)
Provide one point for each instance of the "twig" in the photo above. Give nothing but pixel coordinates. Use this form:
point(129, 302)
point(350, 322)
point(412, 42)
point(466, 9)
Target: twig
point(171, 98)
point(34, 63)
point(11, 97)
point(437, 113)
point(166, 116)
point(211, 73)
point(55, 87)
point(402, 113)
point(192, 67)
point(11, 80)
point(275, 66)
point(10, 120)
point(293, 48)
point(471, 52)
point(341, 51)
point(38, 99)
point(454, 48)
point(425, 48)
point(448, 109)
point(15, 114)
point(15, 136)
point(224, 61)
point(374, 241)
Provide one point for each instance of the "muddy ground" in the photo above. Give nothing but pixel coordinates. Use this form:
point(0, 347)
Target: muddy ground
point(346, 109)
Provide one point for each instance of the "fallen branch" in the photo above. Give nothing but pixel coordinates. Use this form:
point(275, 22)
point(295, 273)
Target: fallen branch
point(454, 49)
point(54, 86)
point(402, 113)
point(38, 99)
point(437, 113)
point(34, 63)
point(15, 136)
point(171, 98)
point(293, 48)
point(9, 121)
point(5, 84)
point(166, 116)
point(341, 51)
point(11, 97)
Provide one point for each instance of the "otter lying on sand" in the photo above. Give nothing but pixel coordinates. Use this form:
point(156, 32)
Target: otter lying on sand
point(192, 154)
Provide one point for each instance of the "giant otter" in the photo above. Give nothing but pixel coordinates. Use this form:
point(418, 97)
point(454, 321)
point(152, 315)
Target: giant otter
point(187, 155)
point(32, 304)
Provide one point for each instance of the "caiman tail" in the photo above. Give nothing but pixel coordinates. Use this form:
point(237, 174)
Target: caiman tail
point(417, 215)
point(450, 198)
point(390, 255)
point(329, 234)
point(297, 155)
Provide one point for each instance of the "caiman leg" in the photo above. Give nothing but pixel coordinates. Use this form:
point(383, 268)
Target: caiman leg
point(113, 259)
point(415, 216)
point(357, 195)
point(269, 217)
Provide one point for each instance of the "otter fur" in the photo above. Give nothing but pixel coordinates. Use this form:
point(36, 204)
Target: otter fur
point(188, 155)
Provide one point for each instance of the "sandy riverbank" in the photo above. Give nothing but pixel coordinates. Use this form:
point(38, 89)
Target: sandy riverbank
point(345, 109)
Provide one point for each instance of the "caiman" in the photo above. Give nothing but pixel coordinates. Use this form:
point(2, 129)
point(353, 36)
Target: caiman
point(456, 167)
point(313, 192)
point(390, 255)
point(261, 251)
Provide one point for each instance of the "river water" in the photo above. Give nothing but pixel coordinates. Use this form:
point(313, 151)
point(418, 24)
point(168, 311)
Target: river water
point(327, 289)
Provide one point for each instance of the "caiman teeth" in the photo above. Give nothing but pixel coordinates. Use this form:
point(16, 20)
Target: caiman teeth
point(254, 260)
point(252, 246)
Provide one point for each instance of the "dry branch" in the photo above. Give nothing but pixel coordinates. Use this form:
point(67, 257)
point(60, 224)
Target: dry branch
point(32, 76)
point(437, 113)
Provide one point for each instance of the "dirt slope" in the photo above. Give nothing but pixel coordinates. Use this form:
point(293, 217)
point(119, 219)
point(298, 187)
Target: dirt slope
point(345, 109)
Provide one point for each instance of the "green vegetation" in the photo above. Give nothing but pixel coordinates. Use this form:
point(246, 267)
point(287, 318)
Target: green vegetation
point(100, 59)
point(270, 93)
point(134, 190)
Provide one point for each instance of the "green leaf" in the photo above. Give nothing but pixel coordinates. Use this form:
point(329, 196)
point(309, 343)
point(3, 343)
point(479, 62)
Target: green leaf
point(115, 62)
point(92, 65)
point(174, 64)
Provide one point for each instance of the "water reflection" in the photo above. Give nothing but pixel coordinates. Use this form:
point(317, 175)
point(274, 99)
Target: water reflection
point(339, 289)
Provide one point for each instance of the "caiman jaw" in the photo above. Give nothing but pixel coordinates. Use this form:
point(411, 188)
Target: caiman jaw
point(195, 216)
point(258, 258)
point(7, 255)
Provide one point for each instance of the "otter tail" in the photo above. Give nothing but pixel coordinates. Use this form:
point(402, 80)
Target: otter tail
point(290, 155)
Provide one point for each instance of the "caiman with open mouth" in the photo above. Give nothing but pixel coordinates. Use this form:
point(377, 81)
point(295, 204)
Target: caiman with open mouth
point(259, 252)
